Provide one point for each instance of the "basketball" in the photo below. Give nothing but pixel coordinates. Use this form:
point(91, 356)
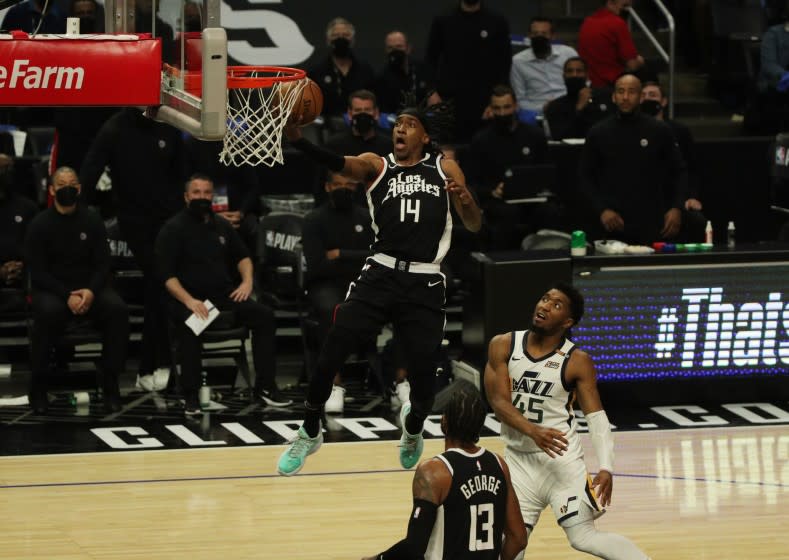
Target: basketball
point(308, 105)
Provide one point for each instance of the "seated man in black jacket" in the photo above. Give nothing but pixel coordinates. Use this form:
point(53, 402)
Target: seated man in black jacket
point(69, 262)
point(632, 175)
point(337, 237)
point(200, 257)
point(16, 213)
point(573, 114)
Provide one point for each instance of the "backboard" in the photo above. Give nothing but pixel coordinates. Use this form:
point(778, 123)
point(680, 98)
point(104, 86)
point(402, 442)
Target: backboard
point(194, 53)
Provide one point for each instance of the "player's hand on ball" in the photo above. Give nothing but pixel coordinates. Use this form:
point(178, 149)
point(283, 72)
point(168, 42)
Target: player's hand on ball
point(603, 485)
point(549, 440)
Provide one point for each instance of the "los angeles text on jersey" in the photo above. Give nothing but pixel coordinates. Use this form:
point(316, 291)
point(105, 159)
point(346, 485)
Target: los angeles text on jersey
point(408, 184)
point(24, 76)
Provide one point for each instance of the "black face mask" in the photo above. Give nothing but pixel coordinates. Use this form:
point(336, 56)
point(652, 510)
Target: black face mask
point(200, 207)
point(341, 199)
point(541, 46)
point(341, 47)
point(87, 24)
point(363, 123)
point(67, 196)
point(574, 85)
point(396, 59)
point(651, 107)
point(503, 123)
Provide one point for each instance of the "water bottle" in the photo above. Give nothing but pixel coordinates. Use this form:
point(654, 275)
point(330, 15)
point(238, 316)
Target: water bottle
point(204, 396)
point(731, 234)
point(708, 232)
point(81, 398)
point(578, 244)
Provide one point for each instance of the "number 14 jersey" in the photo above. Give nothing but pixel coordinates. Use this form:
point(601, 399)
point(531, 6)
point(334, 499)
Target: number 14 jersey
point(542, 394)
point(409, 207)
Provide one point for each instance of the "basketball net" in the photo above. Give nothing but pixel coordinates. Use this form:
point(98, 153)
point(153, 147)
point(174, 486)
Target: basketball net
point(259, 103)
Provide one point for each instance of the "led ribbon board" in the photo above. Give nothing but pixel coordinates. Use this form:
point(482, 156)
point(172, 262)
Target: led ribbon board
point(718, 320)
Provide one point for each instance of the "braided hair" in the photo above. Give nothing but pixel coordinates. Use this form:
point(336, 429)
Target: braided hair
point(465, 414)
point(438, 119)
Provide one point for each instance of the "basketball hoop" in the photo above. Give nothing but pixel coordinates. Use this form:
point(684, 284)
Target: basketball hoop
point(259, 102)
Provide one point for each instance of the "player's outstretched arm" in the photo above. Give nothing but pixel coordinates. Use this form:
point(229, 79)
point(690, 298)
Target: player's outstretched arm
point(499, 392)
point(515, 536)
point(364, 167)
point(462, 200)
point(431, 485)
point(581, 370)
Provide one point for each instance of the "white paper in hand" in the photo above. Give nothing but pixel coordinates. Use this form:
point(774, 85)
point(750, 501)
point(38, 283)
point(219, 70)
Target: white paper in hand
point(197, 324)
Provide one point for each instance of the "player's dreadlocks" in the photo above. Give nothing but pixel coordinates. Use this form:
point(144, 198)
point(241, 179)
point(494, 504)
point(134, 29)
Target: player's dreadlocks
point(438, 119)
point(465, 414)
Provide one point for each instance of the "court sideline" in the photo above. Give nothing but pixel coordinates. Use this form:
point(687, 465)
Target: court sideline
point(680, 494)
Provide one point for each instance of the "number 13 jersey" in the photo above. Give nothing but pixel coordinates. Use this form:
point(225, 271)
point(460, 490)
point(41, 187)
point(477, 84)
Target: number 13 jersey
point(542, 394)
point(409, 207)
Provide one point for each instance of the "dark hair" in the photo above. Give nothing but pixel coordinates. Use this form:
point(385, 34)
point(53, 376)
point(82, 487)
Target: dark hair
point(438, 119)
point(364, 94)
point(575, 297)
point(197, 177)
point(465, 414)
point(575, 59)
point(541, 19)
point(655, 84)
point(500, 90)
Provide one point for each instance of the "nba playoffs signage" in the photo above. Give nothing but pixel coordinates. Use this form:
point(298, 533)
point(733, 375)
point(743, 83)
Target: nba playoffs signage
point(687, 322)
point(56, 72)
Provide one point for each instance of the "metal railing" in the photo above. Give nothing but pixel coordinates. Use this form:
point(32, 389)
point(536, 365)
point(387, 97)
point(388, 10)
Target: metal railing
point(669, 57)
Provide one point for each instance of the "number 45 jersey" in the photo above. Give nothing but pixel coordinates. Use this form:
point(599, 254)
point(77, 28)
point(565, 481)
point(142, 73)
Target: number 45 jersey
point(542, 394)
point(409, 207)
point(470, 523)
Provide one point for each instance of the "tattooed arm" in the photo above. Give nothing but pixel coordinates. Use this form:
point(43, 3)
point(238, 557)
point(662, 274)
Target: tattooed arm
point(431, 485)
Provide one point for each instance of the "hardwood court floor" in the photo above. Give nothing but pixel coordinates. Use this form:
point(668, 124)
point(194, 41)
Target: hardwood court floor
point(683, 494)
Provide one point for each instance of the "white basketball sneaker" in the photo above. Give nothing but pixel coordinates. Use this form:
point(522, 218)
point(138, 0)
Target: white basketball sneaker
point(336, 402)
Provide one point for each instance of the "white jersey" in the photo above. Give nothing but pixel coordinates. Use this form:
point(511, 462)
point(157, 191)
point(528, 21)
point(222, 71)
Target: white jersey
point(540, 391)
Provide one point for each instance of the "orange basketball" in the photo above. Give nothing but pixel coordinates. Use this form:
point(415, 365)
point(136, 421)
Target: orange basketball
point(308, 105)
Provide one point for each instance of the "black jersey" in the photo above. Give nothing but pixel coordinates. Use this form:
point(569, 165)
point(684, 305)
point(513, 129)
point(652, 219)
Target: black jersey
point(410, 210)
point(470, 523)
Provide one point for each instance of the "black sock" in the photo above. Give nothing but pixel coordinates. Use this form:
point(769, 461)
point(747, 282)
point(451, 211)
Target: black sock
point(312, 421)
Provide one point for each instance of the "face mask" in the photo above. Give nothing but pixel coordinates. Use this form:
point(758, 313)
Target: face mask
point(341, 47)
point(574, 85)
point(87, 24)
point(66, 196)
point(541, 46)
point(651, 107)
point(200, 207)
point(396, 58)
point(341, 199)
point(363, 123)
point(503, 123)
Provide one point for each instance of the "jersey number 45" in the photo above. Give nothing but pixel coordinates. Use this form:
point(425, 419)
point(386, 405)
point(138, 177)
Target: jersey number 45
point(530, 405)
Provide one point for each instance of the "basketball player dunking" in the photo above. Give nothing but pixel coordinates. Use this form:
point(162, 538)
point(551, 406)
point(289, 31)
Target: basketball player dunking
point(463, 498)
point(408, 193)
point(531, 379)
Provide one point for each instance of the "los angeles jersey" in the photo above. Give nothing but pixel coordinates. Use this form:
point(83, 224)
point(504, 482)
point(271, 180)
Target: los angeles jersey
point(540, 391)
point(470, 523)
point(409, 207)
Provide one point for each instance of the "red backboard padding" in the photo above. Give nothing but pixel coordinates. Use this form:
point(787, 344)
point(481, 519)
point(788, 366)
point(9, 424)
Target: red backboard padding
point(60, 72)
